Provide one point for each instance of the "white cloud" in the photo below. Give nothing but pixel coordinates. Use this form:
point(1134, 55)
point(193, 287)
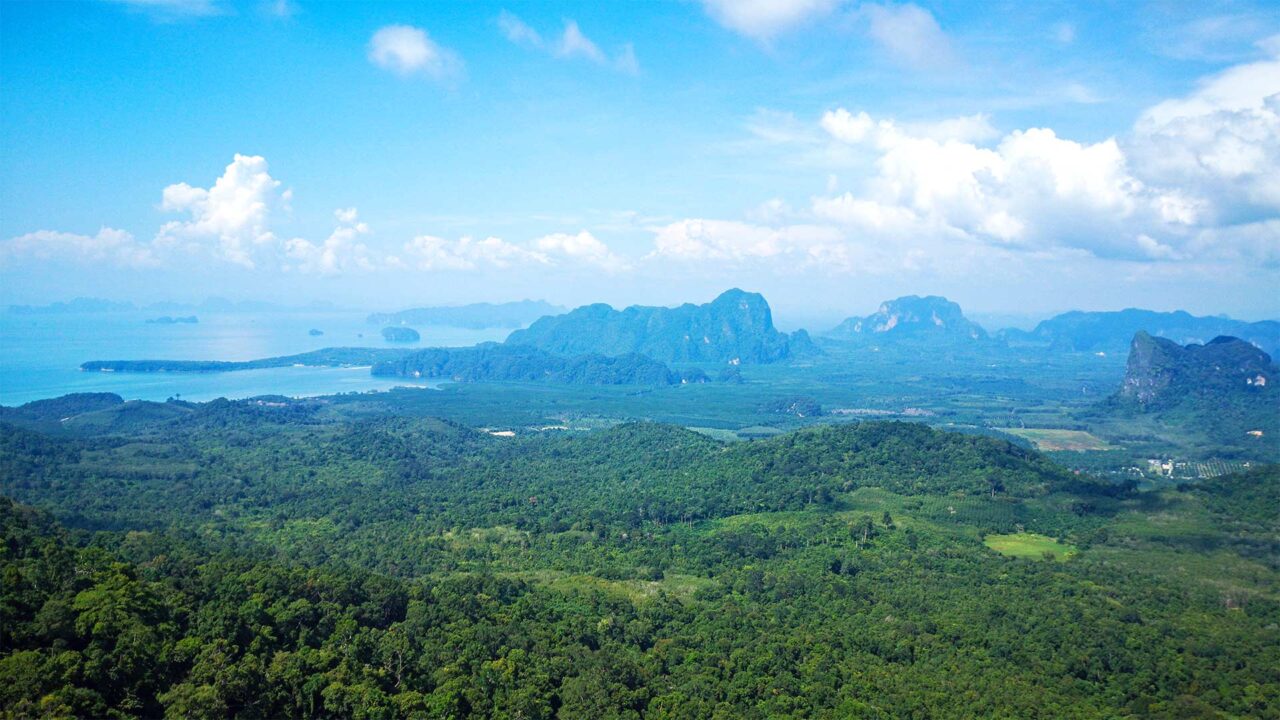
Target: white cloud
point(339, 252)
point(572, 44)
point(405, 50)
point(1220, 144)
point(1033, 190)
point(109, 246)
point(583, 247)
point(969, 128)
point(517, 31)
point(764, 19)
point(233, 215)
point(909, 34)
point(704, 239)
point(847, 127)
point(427, 252)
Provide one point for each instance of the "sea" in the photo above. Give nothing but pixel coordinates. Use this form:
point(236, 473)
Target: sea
point(40, 354)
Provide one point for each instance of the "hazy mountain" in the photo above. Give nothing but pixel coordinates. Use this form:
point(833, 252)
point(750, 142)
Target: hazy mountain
point(475, 316)
point(912, 317)
point(735, 327)
point(1111, 331)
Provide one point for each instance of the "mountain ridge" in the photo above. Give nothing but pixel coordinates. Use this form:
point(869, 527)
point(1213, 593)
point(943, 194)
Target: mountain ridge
point(736, 327)
point(911, 316)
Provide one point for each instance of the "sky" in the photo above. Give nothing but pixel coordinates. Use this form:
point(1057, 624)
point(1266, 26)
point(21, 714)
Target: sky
point(1019, 158)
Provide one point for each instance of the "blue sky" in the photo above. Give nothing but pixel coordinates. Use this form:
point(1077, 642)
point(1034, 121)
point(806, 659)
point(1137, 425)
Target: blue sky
point(1019, 157)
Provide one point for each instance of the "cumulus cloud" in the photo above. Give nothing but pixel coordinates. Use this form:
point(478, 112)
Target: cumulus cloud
point(233, 215)
point(1220, 143)
point(582, 248)
point(109, 246)
point(340, 252)
point(1193, 183)
point(406, 50)
point(1033, 189)
point(571, 44)
point(909, 34)
point(764, 19)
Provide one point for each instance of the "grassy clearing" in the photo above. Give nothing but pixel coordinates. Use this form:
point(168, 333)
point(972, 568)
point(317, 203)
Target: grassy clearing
point(1058, 440)
point(1030, 546)
point(679, 586)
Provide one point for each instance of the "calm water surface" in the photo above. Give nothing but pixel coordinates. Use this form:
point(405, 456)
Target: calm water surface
point(40, 355)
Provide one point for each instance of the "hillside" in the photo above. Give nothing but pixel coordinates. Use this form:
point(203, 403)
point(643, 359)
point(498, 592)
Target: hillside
point(1224, 393)
point(490, 361)
point(736, 327)
point(271, 560)
point(1112, 331)
point(931, 318)
point(1162, 374)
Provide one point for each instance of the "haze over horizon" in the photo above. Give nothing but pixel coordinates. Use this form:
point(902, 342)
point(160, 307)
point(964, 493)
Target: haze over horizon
point(830, 155)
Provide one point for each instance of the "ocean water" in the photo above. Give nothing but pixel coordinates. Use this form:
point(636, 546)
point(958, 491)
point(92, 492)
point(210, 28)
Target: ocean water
point(40, 355)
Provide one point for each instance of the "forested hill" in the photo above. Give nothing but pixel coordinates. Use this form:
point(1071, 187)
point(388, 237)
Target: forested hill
point(1224, 392)
point(376, 467)
point(735, 327)
point(490, 362)
point(271, 559)
point(1162, 374)
point(1112, 331)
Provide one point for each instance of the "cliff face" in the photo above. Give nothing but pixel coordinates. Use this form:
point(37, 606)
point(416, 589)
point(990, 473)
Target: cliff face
point(736, 327)
point(1163, 374)
point(931, 317)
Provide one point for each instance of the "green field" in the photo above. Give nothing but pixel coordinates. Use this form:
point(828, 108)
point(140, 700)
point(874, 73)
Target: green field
point(1030, 545)
point(1054, 439)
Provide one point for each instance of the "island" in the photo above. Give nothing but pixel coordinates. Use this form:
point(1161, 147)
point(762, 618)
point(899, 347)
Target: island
point(328, 357)
point(400, 334)
point(315, 333)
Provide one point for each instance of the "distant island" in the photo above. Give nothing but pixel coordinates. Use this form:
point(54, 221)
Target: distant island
point(485, 362)
point(475, 316)
point(78, 305)
point(400, 335)
point(171, 320)
point(328, 357)
point(313, 332)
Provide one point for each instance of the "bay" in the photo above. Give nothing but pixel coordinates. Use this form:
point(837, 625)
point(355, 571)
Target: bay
point(40, 354)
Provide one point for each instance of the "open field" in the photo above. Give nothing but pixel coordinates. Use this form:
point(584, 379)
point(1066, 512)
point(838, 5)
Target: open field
point(1030, 546)
point(1053, 439)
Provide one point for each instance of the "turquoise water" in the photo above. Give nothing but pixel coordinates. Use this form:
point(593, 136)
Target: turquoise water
point(40, 355)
